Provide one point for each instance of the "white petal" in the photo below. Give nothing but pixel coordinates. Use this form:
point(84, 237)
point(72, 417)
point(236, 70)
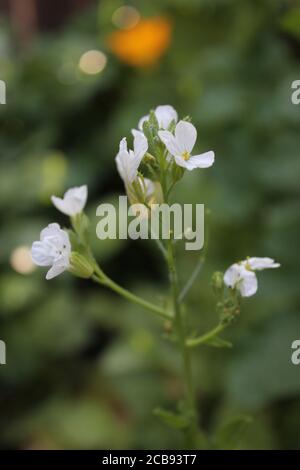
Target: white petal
point(50, 230)
point(262, 263)
point(40, 254)
point(122, 165)
point(185, 135)
point(73, 201)
point(56, 240)
point(55, 270)
point(123, 145)
point(61, 205)
point(141, 122)
point(165, 114)
point(127, 166)
point(170, 142)
point(232, 275)
point(182, 162)
point(248, 284)
point(134, 132)
point(203, 160)
point(140, 147)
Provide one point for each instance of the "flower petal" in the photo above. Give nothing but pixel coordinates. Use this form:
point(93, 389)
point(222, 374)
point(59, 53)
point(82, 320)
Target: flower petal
point(141, 122)
point(262, 263)
point(134, 132)
point(170, 142)
point(140, 147)
point(232, 275)
point(41, 254)
point(123, 145)
point(185, 135)
point(55, 270)
point(248, 284)
point(203, 160)
point(50, 231)
point(73, 201)
point(165, 114)
point(124, 167)
point(62, 205)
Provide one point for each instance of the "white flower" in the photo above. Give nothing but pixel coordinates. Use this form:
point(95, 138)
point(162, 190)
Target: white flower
point(241, 275)
point(73, 201)
point(53, 249)
point(165, 114)
point(128, 161)
point(181, 145)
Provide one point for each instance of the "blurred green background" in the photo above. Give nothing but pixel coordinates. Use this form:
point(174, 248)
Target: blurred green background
point(84, 368)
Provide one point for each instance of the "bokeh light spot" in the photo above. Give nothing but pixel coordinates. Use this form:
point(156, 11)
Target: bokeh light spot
point(126, 17)
point(92, 62)
point(20, 260)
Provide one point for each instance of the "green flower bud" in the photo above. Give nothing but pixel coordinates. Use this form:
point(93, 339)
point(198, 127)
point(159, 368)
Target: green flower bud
point(80, 266)
point(217, 282)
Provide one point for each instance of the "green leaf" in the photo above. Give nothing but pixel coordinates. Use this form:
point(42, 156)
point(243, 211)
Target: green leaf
point(229, 434)
point(171, 419)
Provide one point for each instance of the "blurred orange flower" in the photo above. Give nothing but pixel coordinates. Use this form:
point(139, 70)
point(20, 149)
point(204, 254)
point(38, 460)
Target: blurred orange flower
point(144, 44)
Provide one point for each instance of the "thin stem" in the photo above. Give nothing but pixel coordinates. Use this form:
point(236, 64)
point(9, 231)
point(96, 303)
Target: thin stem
point(180, 328)
point(191, 343)
point(192, 278)
point(158, 242)
point(107, 282)
point(192, 430)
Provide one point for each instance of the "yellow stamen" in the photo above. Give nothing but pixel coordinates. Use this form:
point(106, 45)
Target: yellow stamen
point(186, 155)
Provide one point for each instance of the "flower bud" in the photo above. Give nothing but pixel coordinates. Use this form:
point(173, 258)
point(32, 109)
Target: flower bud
point(80, 266)
point(217, 283)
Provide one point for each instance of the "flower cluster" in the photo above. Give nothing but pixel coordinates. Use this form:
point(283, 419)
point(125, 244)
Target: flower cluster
point(54, 247)
point(163, 148)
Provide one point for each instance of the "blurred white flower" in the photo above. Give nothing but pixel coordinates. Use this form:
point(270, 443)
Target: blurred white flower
point(241, 276)
point(73, 201)
point(128, 161)
point(181, 145)
point(53, 249)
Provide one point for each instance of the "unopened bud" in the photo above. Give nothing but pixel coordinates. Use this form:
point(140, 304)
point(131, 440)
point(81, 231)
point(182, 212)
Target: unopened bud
point(217, 282)
point(80, 266)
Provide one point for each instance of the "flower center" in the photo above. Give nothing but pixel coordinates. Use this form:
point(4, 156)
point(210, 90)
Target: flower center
point(186, 155)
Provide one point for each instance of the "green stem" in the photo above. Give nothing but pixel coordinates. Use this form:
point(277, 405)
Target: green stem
point(191, 343)
point(192, 278)
point(107, 282)
point(181, 333)
point(192, 430)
